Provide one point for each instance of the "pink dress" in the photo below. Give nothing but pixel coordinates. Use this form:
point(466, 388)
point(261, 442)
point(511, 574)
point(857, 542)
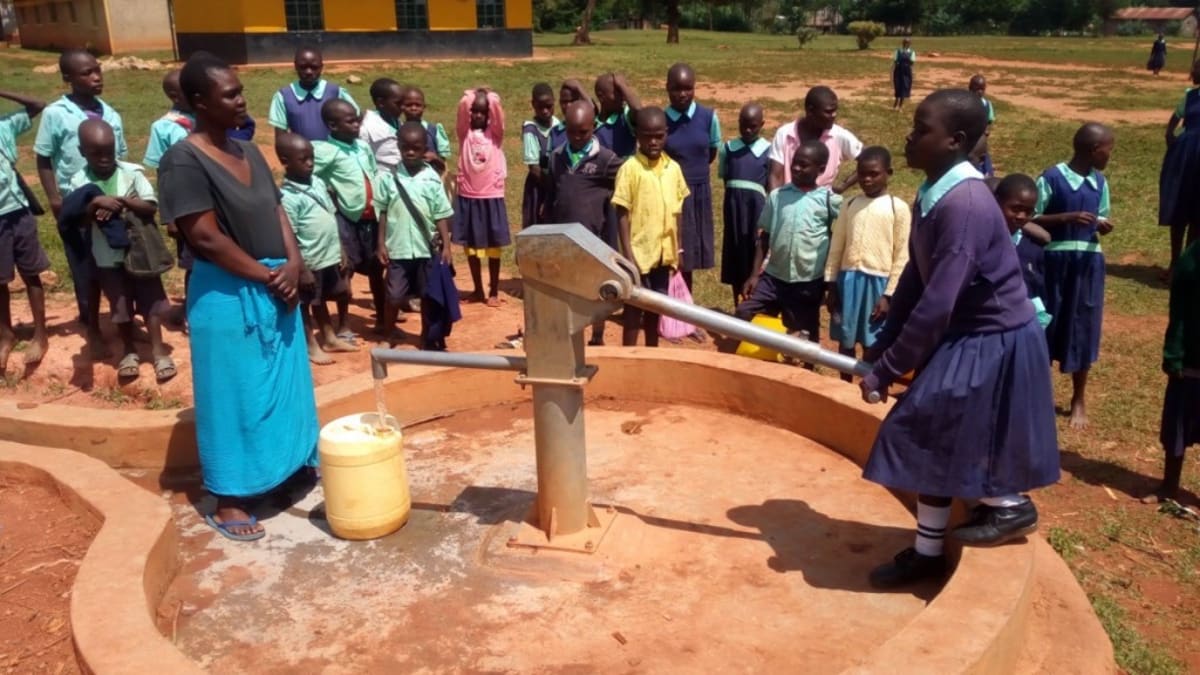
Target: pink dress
point(481, 217)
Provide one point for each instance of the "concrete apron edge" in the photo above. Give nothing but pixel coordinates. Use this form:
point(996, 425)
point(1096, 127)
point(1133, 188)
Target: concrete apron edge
point(982, 589)
point(127, 567)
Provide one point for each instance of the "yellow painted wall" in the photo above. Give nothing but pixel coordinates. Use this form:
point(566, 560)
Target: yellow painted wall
point(518, 13)
point(208, 16)
point(361, 15)
point(261, 16)
point(452, 15)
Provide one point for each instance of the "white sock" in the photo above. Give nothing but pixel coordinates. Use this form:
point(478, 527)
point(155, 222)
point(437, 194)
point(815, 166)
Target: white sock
point(931, 528)
point(1004, 501)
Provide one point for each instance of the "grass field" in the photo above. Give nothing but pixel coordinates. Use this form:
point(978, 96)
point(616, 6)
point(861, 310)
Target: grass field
point(1139, 566)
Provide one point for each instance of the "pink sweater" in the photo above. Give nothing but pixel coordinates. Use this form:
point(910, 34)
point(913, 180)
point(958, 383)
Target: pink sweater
point(481, 165)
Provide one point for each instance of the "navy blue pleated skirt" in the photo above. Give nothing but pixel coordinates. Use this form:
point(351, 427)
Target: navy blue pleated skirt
point(1181, 415)
point(1179, 181)
point(696, 236)
point(742, 209)
point(978, 420)
point(531, 201)
point(480, 223)
point(1075, 300)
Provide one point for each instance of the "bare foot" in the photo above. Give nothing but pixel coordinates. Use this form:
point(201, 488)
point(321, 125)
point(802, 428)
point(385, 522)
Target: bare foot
point(319, 357)
point(232, 514)
point(335, 344)
point(7, 342)
point(36, 352)
point(493, 301)
point(1079, 418)
point(477, 296)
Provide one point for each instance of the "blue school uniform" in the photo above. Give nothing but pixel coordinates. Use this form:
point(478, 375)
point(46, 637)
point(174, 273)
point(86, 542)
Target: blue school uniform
point(745, 169)
point(1074, 265)
point(1179, 181)
point(1033, 270)
point(691, 136)
point(616, 134)
point(978, 420)
point(558, 135)
point(534, 137)
point(298, 110)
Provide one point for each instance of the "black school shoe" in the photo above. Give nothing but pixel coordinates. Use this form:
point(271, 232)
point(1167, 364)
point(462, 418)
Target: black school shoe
point(992, 525)
point(908, 567)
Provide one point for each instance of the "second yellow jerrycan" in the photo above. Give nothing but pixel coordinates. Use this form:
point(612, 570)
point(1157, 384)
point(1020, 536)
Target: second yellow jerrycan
point(364, 477)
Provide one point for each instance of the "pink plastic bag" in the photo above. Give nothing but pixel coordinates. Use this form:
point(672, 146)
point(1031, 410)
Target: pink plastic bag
point(674, 329)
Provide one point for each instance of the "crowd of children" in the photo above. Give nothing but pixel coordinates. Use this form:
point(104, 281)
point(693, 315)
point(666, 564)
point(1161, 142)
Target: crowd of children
point(976, 287)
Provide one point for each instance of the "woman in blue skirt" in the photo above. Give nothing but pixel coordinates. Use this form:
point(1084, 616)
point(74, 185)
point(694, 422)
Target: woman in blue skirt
point(902, 73)
point(1179, 181)
point(1158, 55)
point(693, 137)
point(978, 421)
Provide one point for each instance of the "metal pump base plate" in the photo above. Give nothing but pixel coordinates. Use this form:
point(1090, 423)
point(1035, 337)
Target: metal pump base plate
point(526, 534)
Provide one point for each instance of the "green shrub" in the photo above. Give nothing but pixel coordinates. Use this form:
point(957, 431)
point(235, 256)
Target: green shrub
point(865, 32)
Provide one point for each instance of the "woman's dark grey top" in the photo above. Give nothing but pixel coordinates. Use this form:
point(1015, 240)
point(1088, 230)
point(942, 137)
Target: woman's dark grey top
point(190, 182)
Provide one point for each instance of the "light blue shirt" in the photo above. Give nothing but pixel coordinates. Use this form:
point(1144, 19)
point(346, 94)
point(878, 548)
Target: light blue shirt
point(405, 238)
point(439, 134)
point(277, 113)
point(310, 210)
point(714, 130)
point(1075, 181)
point(58, 138)
point(165, 132)
point(929, 195)
point(11, 125)
point(798, 223)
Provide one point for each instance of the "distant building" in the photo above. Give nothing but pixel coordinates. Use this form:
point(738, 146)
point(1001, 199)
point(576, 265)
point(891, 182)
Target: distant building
point(266, 31)
point(1155, 17)
point(103, 26)
point(826, 19)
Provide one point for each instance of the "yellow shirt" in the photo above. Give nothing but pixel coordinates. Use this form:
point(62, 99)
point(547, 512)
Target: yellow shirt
point(653, 193)
point(870, 236)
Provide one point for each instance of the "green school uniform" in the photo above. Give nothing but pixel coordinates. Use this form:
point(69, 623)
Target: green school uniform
point(127, 180)
point(348, 168)
point(407, 239)
point(165, 132)
point(443, 141)
point(58, 137)
point(311, 212)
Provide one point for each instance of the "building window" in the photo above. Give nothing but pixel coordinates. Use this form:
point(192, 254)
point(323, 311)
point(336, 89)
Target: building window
point(95, 14)
point(53, 12)
point(304, 14)
point(489, 13)
point(71, 11)
point(412, 15)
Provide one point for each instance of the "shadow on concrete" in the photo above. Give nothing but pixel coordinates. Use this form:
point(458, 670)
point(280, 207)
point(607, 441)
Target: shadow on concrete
point(830, 553)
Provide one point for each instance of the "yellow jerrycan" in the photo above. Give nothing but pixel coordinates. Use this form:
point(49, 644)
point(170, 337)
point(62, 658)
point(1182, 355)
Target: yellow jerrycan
point(364, 477)
point(754, 351)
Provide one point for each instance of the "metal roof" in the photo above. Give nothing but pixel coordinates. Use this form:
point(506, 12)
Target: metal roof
point(1153, 13)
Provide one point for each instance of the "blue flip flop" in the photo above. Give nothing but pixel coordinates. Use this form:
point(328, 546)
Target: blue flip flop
point(223, 528)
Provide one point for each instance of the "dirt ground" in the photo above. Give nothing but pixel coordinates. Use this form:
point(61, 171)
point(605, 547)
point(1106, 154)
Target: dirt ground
point(36, 577)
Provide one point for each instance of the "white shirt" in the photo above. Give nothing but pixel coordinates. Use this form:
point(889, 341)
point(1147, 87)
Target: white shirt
point(842, 145)
point(381, 137)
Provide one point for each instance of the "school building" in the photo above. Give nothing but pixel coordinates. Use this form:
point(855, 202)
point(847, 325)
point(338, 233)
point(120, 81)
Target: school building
point(268, 31)
point(103, 26)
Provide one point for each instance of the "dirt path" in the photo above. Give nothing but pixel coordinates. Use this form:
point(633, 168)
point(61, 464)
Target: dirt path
point(41, 545)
